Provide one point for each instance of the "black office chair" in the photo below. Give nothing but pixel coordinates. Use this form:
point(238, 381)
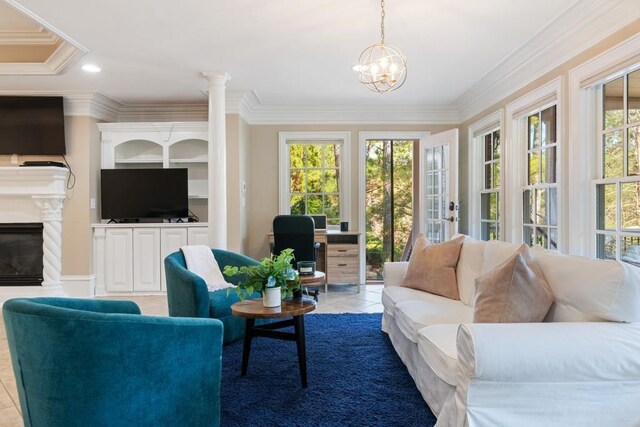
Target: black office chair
point(295, 232)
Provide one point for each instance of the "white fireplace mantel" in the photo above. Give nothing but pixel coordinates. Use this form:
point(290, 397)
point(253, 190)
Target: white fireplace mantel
point(35, 194)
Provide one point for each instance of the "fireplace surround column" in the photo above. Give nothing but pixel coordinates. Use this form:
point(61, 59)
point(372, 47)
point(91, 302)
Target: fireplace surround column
point(51, 212)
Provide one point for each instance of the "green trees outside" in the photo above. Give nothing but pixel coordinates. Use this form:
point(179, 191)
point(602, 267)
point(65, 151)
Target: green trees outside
point(389, 202)
point(315, 180)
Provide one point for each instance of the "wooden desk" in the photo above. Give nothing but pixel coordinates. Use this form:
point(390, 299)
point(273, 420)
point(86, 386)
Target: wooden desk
point(338, 257)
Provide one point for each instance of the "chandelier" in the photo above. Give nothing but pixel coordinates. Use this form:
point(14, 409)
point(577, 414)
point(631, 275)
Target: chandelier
point(381, 67)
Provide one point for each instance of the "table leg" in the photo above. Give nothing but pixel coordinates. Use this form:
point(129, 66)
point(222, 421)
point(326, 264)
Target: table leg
point(248, 335)
point(300, 341)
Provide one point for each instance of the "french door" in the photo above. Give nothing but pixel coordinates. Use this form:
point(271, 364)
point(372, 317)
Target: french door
point(439, 186)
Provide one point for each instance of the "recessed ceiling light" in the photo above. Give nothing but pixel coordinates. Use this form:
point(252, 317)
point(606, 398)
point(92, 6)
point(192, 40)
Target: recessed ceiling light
point(91, 68)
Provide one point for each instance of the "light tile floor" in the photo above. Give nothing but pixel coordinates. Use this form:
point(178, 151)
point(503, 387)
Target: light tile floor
point(339, 299)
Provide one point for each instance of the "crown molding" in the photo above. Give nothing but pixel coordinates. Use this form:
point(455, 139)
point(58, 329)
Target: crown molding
point(163, 112)
point(78, 103)
point(65, 55)
point(37, 36)
point(583, 25)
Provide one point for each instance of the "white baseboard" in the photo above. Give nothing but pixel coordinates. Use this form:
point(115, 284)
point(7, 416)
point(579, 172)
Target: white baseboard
point(8, 292)
point(79, 286)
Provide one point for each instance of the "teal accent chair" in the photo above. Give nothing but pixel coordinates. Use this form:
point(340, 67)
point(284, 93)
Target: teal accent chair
point(188, 296)
point(100, 363)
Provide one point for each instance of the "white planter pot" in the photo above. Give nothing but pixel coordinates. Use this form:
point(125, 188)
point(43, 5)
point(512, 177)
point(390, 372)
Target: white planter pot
point(271, 297)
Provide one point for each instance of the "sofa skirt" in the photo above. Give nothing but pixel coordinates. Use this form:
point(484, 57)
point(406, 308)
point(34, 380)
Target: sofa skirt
point(433, 390)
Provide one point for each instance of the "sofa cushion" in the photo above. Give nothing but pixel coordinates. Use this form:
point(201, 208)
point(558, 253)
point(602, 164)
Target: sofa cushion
point(411, 316)
point(513, 292)
point(392, 295)
point(469, 268)
point(590, 289)
point(432, 267)
point(497, 252)
point(437, 346)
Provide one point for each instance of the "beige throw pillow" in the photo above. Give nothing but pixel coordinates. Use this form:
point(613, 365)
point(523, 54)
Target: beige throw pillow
point(432, 268)
point(513, 292)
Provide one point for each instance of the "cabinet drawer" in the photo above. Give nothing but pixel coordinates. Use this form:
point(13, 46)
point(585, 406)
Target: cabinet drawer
point(343, 270)
point(337, 250)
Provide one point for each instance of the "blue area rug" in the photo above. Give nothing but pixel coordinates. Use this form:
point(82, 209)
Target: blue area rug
point(355, 379)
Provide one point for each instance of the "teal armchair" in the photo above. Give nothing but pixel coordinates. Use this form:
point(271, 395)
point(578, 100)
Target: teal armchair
point(100, 363)
point(188, 296)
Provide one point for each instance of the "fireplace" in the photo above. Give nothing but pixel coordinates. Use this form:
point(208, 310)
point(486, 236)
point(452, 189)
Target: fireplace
point(21, 254)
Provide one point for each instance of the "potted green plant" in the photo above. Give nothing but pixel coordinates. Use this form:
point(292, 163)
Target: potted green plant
point(273, 277)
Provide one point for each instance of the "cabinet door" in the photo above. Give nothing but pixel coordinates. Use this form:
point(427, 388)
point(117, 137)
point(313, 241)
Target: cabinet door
point(199, 236)
point(171, 240)
point(118, 260)
point(146, 259)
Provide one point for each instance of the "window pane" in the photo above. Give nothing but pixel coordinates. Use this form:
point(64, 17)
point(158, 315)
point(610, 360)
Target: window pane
point(330, 181)
point(489, 206)
point(496, 175)
point(332, 207)
point(298, 205)
point(553, 238)
point(437, 157)
point(630, 249)
point(496, 145)
point(314, 156)
point(607, 206)
point(527, 210)
point(296, 155)
point(314, 205)
point(534, 168)
point(605, 246)
point(314, 181)
point(613, 154)
point(548, 130)
point(489, 231)
point(633, 96)
point(297, 181)
point(541, 206)
point(553, 206)
point(630, 200)
point(549, 165)
point(488, 149)
point(443, 183)
point(613, 103)
point(487, 176)
point(331, 155)
point(534, 131)
point(541, 236)
point(528, 235)
point(633, 151)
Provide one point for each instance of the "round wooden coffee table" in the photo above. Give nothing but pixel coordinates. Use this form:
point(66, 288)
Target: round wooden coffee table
point(253, 309)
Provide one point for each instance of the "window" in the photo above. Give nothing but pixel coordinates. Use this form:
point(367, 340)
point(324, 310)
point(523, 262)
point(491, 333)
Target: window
point(312, 180)
point(490, 194)
point(618, 183)
point(540, 195)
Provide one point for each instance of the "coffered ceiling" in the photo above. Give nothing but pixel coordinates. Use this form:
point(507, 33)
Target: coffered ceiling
point(296, 53)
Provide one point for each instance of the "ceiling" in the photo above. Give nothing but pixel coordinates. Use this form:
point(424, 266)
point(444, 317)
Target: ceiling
point(290, 52)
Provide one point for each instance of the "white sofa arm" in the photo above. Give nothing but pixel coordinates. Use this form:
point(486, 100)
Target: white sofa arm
point(543, 352)
point(551, 374)
point(394, 273)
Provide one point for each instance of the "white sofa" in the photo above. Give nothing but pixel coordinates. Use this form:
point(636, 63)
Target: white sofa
point(581, 367)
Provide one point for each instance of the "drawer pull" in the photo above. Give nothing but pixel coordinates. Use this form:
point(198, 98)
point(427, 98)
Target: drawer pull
point(342, 250)
point(342, 265)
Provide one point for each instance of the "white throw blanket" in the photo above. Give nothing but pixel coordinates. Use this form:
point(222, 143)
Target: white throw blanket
point(200, 261)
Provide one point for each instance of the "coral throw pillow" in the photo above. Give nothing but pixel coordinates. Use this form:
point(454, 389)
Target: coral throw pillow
point(432, 268)
point(513, 292)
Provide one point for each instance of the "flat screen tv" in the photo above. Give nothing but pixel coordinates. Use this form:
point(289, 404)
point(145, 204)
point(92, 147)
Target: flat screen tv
point(144, 193)
point(32, 125)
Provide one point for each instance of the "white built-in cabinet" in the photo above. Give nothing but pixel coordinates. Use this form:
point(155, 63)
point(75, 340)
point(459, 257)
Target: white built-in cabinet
point(161, 145)
point(129, 258)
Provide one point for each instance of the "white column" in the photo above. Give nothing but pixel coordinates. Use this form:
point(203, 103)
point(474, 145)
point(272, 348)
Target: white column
point(217, 203)
point(51, 207)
